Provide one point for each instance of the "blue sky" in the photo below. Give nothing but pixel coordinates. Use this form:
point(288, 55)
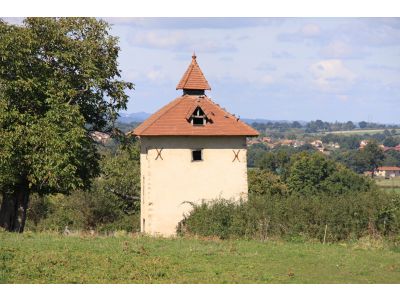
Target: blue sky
point(273, 68)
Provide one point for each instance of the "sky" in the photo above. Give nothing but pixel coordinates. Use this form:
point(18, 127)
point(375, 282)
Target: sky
point(333, 69)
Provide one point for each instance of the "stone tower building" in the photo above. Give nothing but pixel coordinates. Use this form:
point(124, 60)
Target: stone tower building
point(191, 150)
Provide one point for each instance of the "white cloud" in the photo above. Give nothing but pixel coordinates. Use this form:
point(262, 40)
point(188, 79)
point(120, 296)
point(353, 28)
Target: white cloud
point(310, 30)
point(186, 23)
point(343, 97)
point(157, 40)
point(267, 79)
point(155, 75)
point(306, 32)
point(371, 32)
point(264, 66)
point(282, 54)
point(337, 49)
point(131, 75)
point(179, 41)
point(332, 75)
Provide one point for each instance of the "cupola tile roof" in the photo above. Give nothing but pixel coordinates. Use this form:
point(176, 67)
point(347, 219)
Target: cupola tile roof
point(174, 119)
point(193, 79)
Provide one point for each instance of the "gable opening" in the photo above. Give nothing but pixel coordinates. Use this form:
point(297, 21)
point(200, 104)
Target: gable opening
point(197, 155)
point(199, 121)
point(198, 117)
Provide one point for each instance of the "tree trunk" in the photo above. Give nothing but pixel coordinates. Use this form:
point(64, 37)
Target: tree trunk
point(13, 208)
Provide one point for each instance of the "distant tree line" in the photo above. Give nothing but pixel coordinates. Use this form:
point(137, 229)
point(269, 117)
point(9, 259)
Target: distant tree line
point(358, 160)
point(388, 138)
point(319, 126)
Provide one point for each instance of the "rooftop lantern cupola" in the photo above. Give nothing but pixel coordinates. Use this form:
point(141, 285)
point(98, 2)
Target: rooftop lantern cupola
point(193, 81)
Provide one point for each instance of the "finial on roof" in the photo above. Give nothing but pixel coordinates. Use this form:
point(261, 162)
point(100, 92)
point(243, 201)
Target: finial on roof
point(193, 81)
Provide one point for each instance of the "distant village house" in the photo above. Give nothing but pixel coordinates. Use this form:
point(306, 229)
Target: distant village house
point(388, 172)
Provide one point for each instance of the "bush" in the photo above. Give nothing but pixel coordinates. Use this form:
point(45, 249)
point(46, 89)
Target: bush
point(347, 216)
point(210, 219)
point(263, 182)
point(82, 210)
point(112, 203)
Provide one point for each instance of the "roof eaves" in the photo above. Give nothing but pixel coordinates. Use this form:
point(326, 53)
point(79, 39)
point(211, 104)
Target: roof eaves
point(147, 126)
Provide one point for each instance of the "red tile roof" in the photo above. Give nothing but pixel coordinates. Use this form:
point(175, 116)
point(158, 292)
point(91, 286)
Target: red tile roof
point(193, 79)
point(171, 120)
point(396, 148)
point(385, 168)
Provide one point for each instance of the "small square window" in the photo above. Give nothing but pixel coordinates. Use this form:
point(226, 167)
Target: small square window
point(197, 155)
point(198, 121)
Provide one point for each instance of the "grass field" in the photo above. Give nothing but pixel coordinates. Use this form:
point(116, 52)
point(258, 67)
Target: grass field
point(357, 131)
point(52, 258)
point(389, 185)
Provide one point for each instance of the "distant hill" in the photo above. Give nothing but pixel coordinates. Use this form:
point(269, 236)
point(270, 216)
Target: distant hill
point(141, 116)
point(265, 121)
point(133, 117)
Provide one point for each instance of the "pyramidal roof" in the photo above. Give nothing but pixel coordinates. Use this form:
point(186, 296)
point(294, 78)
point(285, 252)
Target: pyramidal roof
point(193, 79)
point(174, 119)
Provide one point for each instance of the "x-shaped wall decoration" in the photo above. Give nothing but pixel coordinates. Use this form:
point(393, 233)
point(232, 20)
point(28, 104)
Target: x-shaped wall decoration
point(236, 155)
point(159, 154)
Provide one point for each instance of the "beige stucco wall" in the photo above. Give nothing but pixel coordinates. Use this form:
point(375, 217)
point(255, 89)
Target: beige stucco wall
point(388, 173)
point(168, 182)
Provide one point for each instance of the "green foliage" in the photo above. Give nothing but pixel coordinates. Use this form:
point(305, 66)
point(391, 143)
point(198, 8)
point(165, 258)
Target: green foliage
point(211, 220)
point(391, 141)
point(316, 192)
point(315, 173)
point(112, 203)
point(347, 216)
point(263, 182)
point(62, 60)
point(121, 175)
point(276, 162)
point(254, 152)
point(363, 124)
point(308, 171)
point(39, 208)
point(58, 81)
point(392, 158)
point(53, 151)
point(345, 142)
point(344, 181)
point(372, 155)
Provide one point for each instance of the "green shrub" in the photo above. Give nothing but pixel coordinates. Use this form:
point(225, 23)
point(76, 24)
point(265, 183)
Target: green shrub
point(346, 216)
point(210, 219)
point(112, 203)
point(263, 182)
point(82, 210)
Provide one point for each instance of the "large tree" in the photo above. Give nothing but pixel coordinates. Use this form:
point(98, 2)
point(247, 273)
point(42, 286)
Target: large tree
point(308, 171)
point(372, 156)
point(59, 80)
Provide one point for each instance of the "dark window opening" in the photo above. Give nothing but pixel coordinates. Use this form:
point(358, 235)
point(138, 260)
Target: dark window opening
point(198, 121)
point(198, 117)
point(196, 155)
point(193, 92)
